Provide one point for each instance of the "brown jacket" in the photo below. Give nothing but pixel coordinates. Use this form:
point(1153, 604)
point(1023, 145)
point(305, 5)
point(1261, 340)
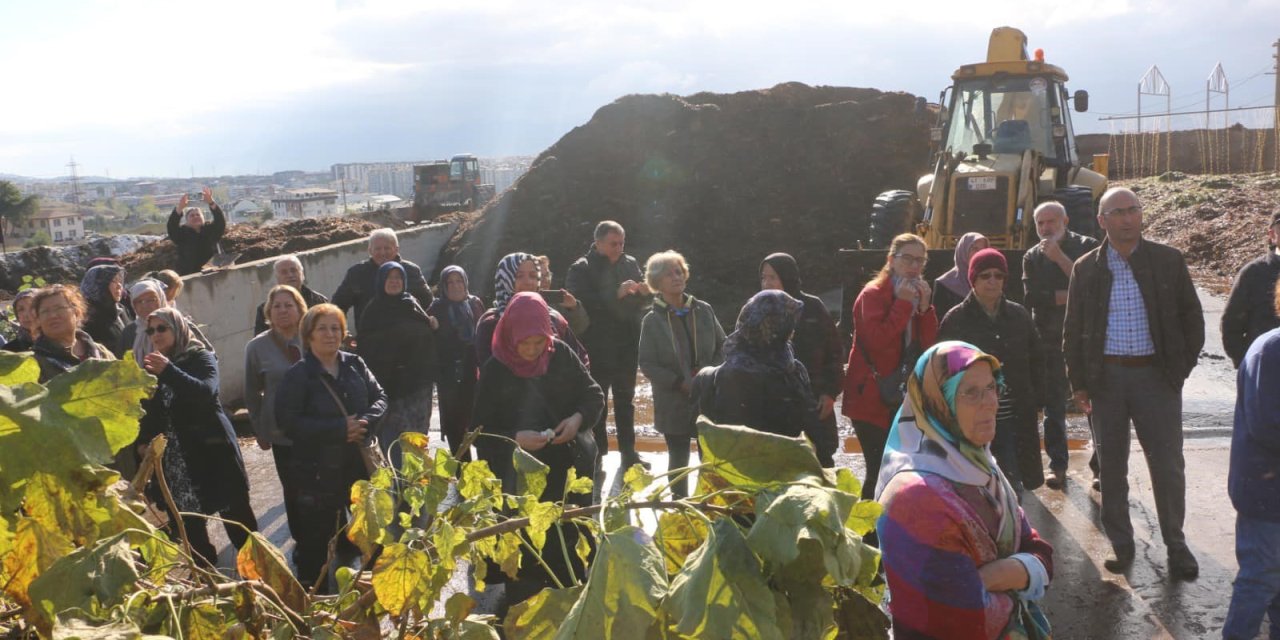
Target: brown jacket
point(1173, 313)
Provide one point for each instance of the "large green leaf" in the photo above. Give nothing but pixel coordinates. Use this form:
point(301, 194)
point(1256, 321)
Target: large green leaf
point(90, 578)
point(372, 511)
point(18, 369)
point(749, 459)
point(623, 592)
point(810, 606)
point(102, 396)
point(539, 617)
point(258, 559)
point(721, 592)
point(35, 549)
point(806, 511)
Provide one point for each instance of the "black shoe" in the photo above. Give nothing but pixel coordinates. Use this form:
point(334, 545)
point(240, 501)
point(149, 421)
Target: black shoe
point(1121, 559)
point(1182, 564)
point(1055, 479)
point(1097, 483)
point(631, 459)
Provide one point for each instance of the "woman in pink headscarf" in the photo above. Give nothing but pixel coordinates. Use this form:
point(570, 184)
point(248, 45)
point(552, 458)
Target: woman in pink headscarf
point(536, 394)
point(953, 286)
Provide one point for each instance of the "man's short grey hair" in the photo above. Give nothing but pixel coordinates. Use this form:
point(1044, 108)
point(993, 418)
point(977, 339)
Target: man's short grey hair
point(385, 232)
point(289, 259)
point(607, 227)
point(1052, 205)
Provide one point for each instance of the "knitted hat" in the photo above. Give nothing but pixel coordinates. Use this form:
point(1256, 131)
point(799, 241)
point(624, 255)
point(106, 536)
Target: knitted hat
point(986, 259)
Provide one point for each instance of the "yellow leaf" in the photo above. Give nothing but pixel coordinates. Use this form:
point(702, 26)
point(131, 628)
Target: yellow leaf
point(77, 515)
point(449, 544)
point(398, 576)
point(18, 369)
point(372, 511)
point(679, 535)
point(574, 484)
point(204, 622)
point(258, 559)
point(541, 516)
point(35, 548)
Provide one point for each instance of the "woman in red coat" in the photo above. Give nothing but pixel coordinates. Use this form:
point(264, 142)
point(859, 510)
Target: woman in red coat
point(893, 322)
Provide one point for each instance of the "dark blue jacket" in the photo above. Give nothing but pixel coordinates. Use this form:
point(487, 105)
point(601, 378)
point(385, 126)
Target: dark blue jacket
point(185, 407)
point(1254, 479)
point(312, 419)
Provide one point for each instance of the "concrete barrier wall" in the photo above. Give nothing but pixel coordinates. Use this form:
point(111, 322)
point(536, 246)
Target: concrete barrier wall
point(224, 302)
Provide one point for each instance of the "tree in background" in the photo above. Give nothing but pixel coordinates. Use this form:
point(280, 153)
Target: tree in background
point(13, 207)
point(147, 208)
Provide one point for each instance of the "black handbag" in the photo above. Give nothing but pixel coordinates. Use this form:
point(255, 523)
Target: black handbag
point(893, 386)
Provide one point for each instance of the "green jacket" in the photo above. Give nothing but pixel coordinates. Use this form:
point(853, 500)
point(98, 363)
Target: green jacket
point(668, 363)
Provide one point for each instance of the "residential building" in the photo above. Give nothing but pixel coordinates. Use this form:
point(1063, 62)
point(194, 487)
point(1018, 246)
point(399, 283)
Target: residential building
point(63, 224)
point(304, 203)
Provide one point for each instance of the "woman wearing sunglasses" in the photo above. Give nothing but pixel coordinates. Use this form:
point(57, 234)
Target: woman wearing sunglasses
point(1004, 329)
point(201, 462)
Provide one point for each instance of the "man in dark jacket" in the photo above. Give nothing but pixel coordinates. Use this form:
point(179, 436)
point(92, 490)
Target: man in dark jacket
point(1254, 487)
point(288, 270)
point(1132, 334)
point(610, 285)
point(197, 241)
point(356, 289)
point(1250, 309)
point(1046, 271)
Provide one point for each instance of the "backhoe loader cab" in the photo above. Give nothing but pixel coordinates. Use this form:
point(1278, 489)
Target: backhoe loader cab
point(1003, 144)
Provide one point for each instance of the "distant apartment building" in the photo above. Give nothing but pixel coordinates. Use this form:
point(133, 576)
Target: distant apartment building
point(62, 225)
point(390, 178)
point(304, 203)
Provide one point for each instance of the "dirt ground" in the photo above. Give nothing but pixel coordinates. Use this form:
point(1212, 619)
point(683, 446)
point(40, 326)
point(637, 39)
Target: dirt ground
point(1218, 221)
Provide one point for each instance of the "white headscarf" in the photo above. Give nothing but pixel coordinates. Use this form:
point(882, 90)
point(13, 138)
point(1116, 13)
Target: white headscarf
point(142, 343)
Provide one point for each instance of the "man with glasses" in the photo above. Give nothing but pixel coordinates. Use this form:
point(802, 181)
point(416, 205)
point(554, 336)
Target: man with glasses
point(1250, 308)
point(1132, 333)
point(1046, 271)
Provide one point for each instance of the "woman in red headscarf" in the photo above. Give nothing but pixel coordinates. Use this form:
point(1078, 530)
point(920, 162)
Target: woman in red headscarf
point(536, 394)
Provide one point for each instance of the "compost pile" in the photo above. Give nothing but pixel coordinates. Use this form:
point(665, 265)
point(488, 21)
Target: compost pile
point(723, 178)
point(257, 242)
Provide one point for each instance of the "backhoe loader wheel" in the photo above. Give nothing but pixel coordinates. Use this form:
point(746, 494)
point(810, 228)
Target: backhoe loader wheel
point(891, 215)
point(1081, 214)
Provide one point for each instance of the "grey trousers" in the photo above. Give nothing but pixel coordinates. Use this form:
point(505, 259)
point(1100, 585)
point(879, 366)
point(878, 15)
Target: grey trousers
point(1143, 395)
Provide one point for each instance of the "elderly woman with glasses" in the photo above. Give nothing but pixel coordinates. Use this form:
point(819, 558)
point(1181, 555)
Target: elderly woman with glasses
point(1004, 329)
point(62, 344)
point(201, 462)
point(893, 321)
point(960, 559)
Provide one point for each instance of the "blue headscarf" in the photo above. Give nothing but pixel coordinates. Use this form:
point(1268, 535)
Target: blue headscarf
point(388, 309)
point(462, 312)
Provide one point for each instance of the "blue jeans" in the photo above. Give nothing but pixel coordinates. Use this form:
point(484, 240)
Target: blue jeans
point(1257, 586)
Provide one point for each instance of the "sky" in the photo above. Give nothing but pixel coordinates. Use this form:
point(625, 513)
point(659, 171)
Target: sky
point(161, 88)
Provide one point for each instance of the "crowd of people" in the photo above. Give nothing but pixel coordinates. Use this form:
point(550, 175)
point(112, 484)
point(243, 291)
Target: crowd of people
point(944, 384)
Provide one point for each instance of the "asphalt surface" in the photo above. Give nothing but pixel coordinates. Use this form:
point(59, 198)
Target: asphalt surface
point(1084, 600)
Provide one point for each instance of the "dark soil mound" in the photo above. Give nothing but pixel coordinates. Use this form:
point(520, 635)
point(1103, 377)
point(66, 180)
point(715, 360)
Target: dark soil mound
point(256, 243)
point(724, 179)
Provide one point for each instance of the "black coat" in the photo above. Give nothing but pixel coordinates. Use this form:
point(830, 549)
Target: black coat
point(817, 345)
point(309, 296)
point(356, 289)
point(55, 360)
point(455, 359)
point(105, 323)
point(323, 460)
point(196, 247)
point(1042, 279)
point(186, 409)
point(1011, 337)
point(400, 348)
point(730, 395)
point(506, 403)
point(1251, 309)
point(613, 337)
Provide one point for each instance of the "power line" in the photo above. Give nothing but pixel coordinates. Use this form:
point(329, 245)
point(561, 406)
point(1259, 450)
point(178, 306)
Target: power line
point(1186, 113)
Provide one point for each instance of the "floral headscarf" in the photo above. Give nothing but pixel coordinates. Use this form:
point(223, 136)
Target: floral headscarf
point(527, 315)
point(761, 340)
point(926, 436)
